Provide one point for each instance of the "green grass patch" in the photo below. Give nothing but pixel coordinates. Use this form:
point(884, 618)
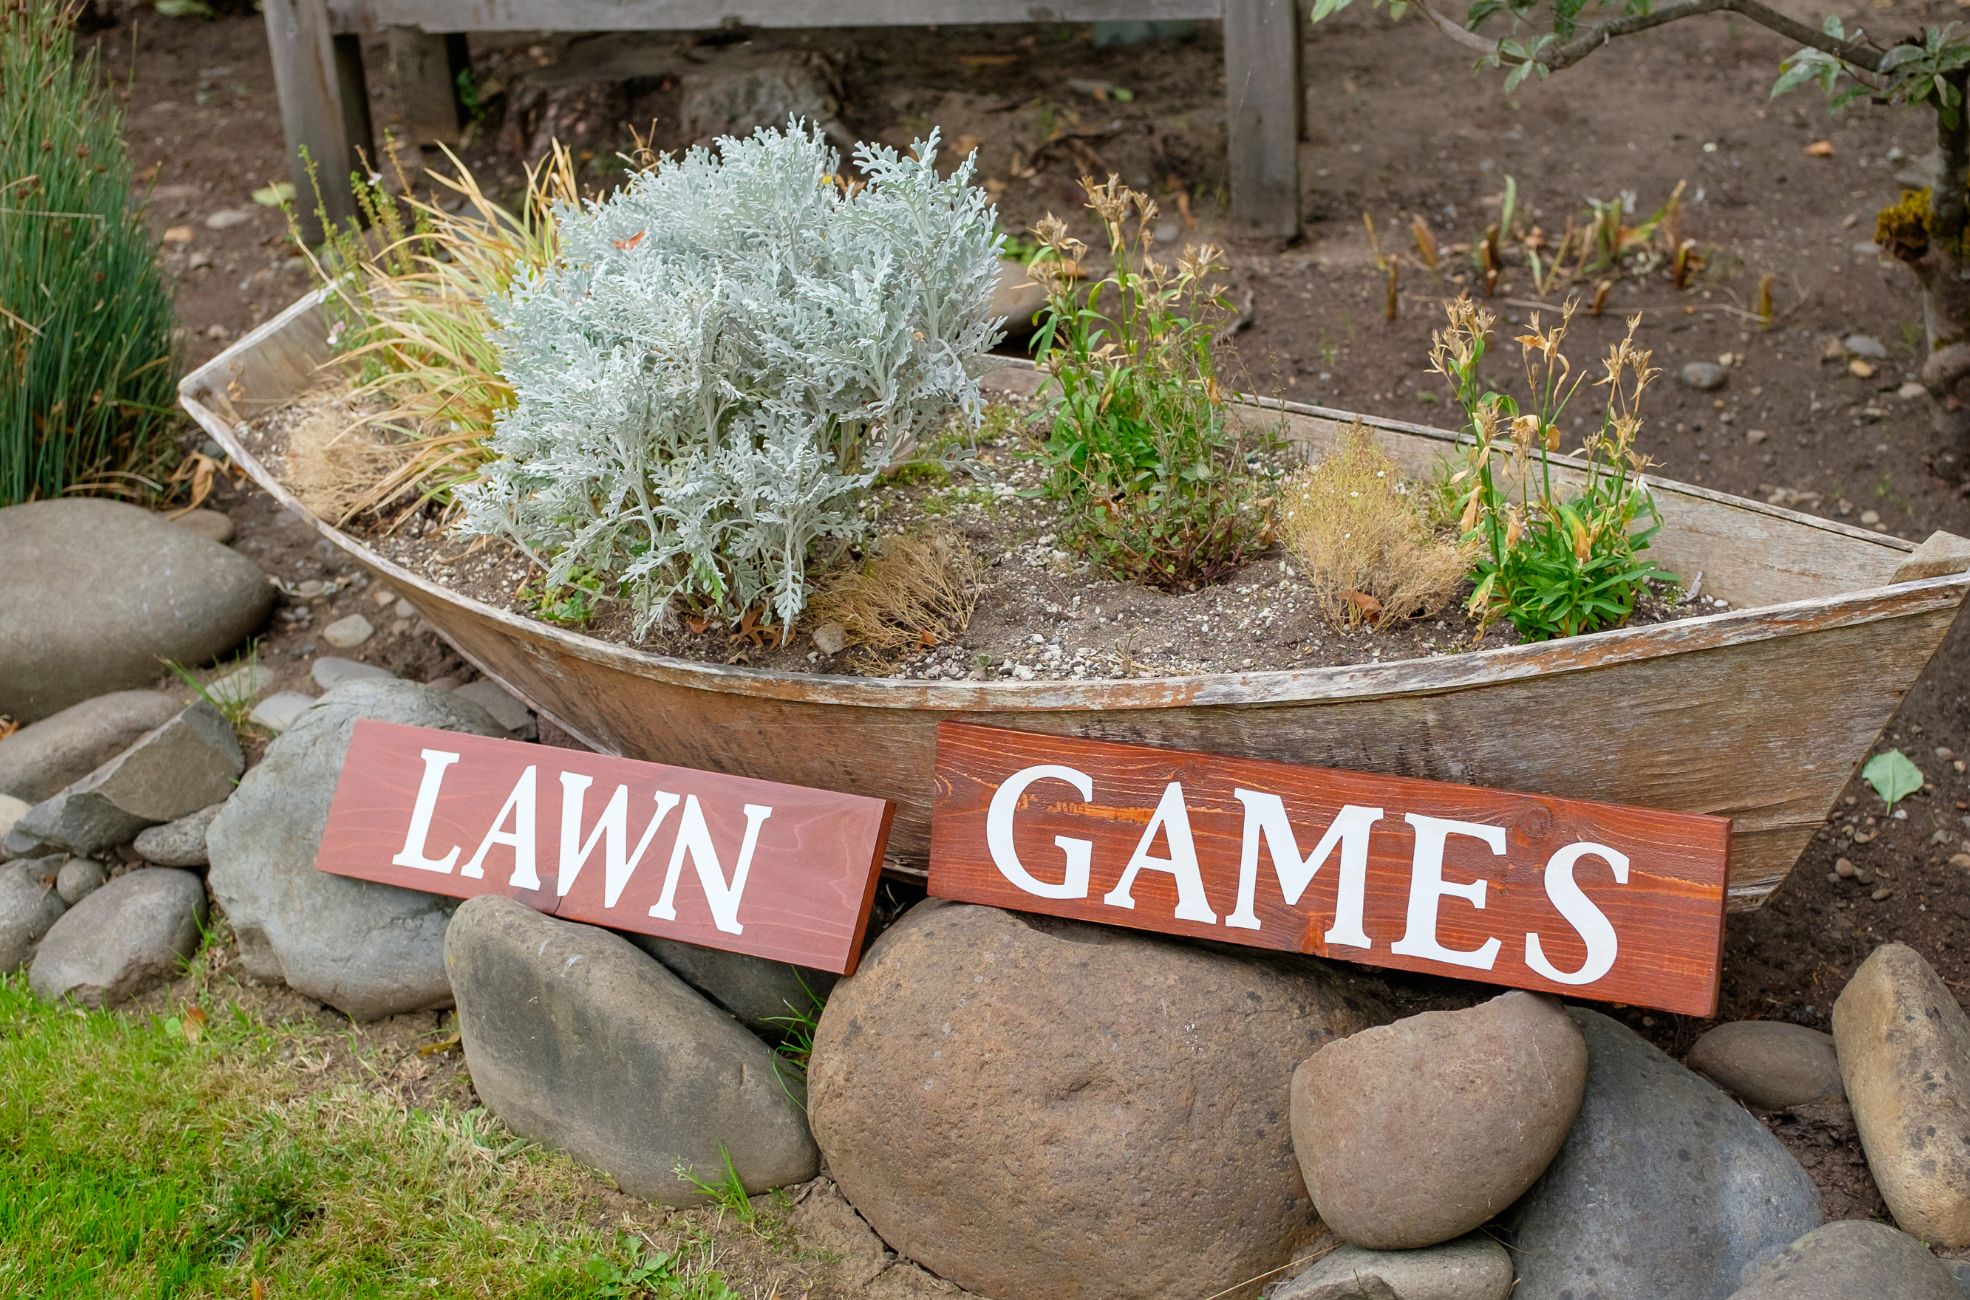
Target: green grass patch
point(200, 1153)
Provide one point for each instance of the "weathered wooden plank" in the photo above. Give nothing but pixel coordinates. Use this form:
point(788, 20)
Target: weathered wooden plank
point(700, 15)
point(1264, 102)
point(428, 65)
point(324, 106)
point(1758, 713)
point(1565, 896)
point(774, 871)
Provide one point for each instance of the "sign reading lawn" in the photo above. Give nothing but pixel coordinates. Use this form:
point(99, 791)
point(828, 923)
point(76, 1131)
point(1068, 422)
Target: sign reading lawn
point(1561, 895)
point(776, 871)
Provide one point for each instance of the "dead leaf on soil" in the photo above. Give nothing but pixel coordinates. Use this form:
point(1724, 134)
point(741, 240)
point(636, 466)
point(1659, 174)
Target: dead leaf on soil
point(178, 235)
point(449, 1043)
point(8, 727)
point(1371, 609)
point(192, 1024)
point(1819, 149)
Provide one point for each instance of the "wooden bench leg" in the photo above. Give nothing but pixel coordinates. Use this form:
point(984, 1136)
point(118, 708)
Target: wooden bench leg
point(428, 66)
point(1263, 108)
point(324, 105)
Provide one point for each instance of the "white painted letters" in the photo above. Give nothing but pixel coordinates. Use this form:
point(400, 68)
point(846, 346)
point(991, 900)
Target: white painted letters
point(1172, 819)
point(1265, 816)
point(694, 838)
point(519, 807)
point(611, 828)
point(998, 833)
point(414, 853)
point(1580, 912)
point(1427, 888)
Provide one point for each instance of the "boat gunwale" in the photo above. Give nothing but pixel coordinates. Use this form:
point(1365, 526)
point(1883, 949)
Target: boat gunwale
point(1313, 685)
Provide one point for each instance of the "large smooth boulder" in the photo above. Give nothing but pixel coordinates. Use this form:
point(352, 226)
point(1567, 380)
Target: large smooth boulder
point(1853, 1260)
point(368, 950)
point(762, 994)
point(1665, 1185)
point(1039, 1108)
point(38, 760)
point(1904, 1047)
point(186, 764)
point(579, 1040)
point(124, 939)
point(1473, 1268)
point(29, 908)
point(1770, 1064)
point(1417, 1132)
point(98, 594)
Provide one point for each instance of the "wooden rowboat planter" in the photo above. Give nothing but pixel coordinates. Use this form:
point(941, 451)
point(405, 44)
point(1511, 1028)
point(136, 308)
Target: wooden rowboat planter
point(1759, 713)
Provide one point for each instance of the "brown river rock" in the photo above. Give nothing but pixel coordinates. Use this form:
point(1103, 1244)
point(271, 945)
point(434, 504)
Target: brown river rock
point(1044, 1110)
point(1417, 1132)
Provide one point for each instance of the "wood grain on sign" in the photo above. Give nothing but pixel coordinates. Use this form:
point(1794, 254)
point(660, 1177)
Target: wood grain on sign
point(650, 848)
point(1553, 915)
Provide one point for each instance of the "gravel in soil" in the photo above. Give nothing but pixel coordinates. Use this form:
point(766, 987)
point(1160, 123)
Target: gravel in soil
point(1399, 129)
point(987, 491)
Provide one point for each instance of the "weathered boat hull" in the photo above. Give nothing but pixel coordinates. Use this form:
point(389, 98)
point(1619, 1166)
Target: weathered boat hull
point(1759, 713)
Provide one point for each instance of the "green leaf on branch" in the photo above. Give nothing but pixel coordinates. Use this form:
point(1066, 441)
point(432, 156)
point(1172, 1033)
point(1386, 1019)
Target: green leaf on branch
point(1893, 776)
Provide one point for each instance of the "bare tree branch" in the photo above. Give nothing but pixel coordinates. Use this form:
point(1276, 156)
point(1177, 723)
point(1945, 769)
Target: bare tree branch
point(1594, 36)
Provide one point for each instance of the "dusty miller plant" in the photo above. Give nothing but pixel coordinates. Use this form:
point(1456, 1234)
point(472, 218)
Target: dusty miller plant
point(727, 352)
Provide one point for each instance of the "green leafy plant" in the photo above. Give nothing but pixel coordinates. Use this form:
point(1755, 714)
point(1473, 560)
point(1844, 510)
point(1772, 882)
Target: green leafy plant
point(1928, 228)
point(233, 690)
point(1893, 775)
point(725, 1190)
point(1550, 561)
point(634, 1272)
point(88, 367)
point(571, 604)
point(1166, 485)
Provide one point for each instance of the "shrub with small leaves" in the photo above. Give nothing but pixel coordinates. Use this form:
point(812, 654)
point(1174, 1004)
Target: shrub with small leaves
point(1167, 486)
point(1552, 562)
point(724, 356)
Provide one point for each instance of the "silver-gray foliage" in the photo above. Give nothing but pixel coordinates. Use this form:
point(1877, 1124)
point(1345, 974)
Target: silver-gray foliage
point(729, 350)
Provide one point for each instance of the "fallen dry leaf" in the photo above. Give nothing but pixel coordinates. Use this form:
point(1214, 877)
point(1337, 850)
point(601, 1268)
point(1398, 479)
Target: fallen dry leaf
point(178, 235)
point(986, 60)
point(1371, 609)
point(1819, 149)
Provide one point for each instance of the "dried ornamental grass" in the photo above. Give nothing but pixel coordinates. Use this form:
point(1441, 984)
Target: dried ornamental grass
point(414, 313)
point(336, 456)
point(1362, 537)
point(914, 593)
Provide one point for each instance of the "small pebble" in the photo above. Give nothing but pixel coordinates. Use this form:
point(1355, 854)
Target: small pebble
point(278, 711)
point(348, 632)
point(1704, 376)
point(1844, 867)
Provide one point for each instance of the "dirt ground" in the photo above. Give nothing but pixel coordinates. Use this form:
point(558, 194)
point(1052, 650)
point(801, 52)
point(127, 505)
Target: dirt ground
point(1399, 128)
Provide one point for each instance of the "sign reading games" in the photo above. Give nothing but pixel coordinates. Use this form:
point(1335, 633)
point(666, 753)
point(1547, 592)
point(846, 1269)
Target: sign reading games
point(1565, 896)
point(776, 871)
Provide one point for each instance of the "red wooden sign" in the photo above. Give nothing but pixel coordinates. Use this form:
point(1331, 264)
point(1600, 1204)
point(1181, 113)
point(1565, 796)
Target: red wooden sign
point(1565, 896)
point(777, 871)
